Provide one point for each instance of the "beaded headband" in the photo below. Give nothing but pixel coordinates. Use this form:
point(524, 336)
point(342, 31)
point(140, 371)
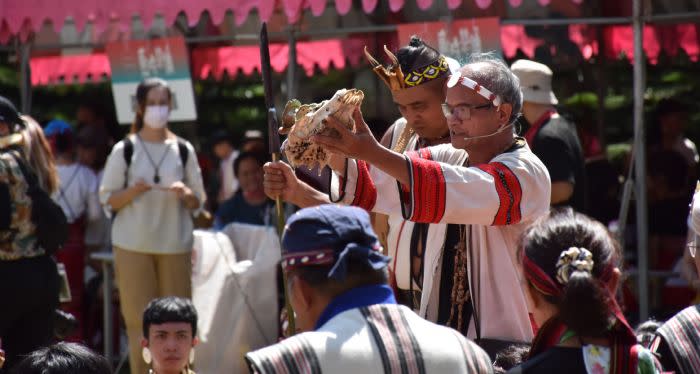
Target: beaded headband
point(307, 258)
point(427, 72)
point(328, 256)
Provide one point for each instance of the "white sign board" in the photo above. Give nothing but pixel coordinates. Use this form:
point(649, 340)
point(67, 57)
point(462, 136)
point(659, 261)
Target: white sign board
point(135, 60)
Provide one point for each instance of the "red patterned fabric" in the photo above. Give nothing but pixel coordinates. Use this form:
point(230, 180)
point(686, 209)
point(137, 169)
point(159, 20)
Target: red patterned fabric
point(428, 187)
point(365, 192)
point(621, 334)
point(625, 351)
point(539, 279)
point(509, 192)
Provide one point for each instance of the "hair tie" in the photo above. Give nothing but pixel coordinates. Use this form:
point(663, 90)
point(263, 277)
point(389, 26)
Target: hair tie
point(573, 259)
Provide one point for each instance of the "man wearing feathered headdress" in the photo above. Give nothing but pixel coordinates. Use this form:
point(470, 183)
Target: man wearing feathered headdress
point(416, 77)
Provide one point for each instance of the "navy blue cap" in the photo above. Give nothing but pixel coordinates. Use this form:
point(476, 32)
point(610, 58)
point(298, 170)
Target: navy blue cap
point(329, 235)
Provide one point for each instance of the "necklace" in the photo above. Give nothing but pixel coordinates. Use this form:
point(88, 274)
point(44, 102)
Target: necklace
point(460, 293)
point(156, 167)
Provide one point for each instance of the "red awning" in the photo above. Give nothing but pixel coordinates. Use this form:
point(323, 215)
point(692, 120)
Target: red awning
point(32, 13)
point(214, 61)
point(208, 61)
point(619, 40)
point(662, 38)
point(69, 69)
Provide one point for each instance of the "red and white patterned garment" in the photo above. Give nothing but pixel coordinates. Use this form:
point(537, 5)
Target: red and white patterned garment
point(496, 201)
point(400, 229)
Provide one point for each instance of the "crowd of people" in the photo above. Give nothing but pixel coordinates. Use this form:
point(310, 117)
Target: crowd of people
point(458, 242)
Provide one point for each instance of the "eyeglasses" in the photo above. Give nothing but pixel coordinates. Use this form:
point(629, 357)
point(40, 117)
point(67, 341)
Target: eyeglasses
point(462, 111)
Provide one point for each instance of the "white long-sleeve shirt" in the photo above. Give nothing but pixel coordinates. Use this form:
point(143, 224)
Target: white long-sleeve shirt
point(157, 221)
point(497, 201)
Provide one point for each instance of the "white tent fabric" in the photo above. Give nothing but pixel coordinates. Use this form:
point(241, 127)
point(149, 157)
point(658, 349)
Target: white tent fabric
point(234, 290)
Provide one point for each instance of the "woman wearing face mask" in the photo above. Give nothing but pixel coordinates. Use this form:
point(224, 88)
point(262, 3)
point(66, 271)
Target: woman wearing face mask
point(152, 189)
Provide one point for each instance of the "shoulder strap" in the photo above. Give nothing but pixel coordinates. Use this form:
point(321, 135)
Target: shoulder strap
point(184, 152)
point(128, 154)
point(62, 192)
point(128, 151)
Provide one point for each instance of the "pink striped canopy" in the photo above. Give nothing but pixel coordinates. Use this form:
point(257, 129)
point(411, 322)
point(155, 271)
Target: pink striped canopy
point(18, 15)
point(338, 53)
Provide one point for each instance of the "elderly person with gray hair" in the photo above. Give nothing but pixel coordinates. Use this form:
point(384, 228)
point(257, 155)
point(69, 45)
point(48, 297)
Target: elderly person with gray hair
point(493, 194)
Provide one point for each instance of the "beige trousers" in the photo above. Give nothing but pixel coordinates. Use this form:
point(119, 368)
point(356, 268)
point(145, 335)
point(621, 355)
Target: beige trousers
point(142, 277)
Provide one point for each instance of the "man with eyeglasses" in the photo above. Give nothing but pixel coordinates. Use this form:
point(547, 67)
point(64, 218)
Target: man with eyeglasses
point(677, 342)
point(492, 198)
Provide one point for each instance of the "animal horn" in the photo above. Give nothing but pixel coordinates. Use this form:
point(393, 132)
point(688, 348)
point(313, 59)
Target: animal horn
point(371, 59)
point(393, 58)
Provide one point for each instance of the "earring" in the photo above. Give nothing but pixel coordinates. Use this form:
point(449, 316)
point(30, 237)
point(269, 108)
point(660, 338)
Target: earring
point(146, 355)
point(191, 356)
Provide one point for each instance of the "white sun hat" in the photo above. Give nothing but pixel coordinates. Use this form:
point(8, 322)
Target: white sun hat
point(535, 81)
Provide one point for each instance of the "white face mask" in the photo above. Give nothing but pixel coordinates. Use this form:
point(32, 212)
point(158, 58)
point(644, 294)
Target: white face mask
point(156, 116)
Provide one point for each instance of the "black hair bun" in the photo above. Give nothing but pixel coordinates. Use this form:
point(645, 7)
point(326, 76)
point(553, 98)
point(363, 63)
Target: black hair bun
point(416, 42)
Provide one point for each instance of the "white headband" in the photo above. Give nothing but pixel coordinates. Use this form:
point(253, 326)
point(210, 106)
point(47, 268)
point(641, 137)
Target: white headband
point(476, 87)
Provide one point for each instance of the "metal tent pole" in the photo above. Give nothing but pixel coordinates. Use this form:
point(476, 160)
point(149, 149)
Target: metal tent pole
point(25, 84)
point(292, 65)
point(640, 162)
point(602, 77)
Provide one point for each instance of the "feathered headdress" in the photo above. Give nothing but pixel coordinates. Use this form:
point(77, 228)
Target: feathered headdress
point(396, 79)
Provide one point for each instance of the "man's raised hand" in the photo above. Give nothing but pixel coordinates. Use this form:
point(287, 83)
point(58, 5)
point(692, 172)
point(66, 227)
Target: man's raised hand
point(357, 144)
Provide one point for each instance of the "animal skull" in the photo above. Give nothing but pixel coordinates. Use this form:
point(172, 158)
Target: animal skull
point(306, 121)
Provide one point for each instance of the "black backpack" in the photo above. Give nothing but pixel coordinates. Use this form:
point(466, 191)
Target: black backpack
point(129, 152)
point(48, 217)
